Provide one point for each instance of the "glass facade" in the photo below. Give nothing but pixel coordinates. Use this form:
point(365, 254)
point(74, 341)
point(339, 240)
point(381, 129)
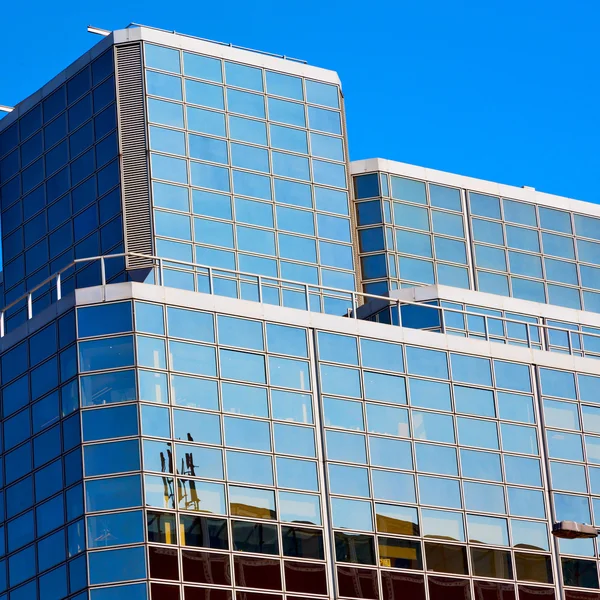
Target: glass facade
point(415, 232)
point(159, 443)
point(248, 172)
point(60, 186)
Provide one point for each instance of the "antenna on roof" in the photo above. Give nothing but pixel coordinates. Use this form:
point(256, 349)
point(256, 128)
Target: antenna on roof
point(98, 31)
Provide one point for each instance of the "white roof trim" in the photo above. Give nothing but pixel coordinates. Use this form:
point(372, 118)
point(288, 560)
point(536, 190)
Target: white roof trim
point(483, 186)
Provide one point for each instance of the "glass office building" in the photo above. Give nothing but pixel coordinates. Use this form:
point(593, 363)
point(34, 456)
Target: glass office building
point(273, 374)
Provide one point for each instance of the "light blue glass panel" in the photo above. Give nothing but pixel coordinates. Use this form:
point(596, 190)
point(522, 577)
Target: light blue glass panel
point(526, 503)
point(475, 432)
point(209, 176)
point(206, 148)
point(351, 481)
point(561, 414)
point(430, 394)
point(289, 373)
point(297, 248)
point(167, 140)
point(338, 348)
point(392, 486)
point(205, 121)
point(283, 111)
point(430, 363)
point(298, 221)
point(517, 438)
point(521, 470)
point(587, 226)
point(192, 358)
point(471, 369)
point(474, 401)
point(329, 200)
point(256, 240)
point(487, 231)
point(242, 366)
point(340, 381)
point(351, 514)
point(569, 477)
point(512, 376)
point(490, 258)
point(287, 86)
point(439, 492)
point(571, 508)
point(298, 474)
point(484, 497)
point(442, 524)
point(322, 93)
point(172, 225)
point(492, 283)
point(167, 86)
point(170, 196)
point(213, 232)
point(204, 94)
point(558, 383)
point(587, 251)
point(395, 454)
point(433, 427)
point(165, 59)
point(346, 446)
point(287, 138)
point(203, 67)
point(381, 355)
point(243, 76)
point(290, 165)
point(169, 169)
point(250, 184)
point(165, 113)
point(525, 264)
point(484, 206)
point(252, 105)
point(480, 465)
point(436, 459)
point(247, 130)
point(387, 420)
point(412, 269)
point(211, 204)
point(513, 407)
point(411, 242)
point(565, 445)
point(558, 245)
point(519, 212)
point(249, 468)
point(240, 332)
point(195, 426)
point(326, 146)
point(290, 406)
point(384, 387)
point(558, 270)
point(487, 530)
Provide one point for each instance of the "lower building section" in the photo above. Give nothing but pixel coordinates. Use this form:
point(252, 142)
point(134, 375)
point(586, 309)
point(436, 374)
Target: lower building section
point(171, 445)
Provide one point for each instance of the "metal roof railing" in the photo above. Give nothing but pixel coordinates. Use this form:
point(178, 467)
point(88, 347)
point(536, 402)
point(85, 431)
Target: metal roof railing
point(537, 335)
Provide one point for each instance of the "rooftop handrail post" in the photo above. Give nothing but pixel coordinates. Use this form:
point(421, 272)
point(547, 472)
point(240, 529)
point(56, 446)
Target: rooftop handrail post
point(29, 306)
point(259, 283)
point(161, 272)
point(102, 271)
point(528, 335)
point(210, 280)
point(486, 332)
point(442, 312)
point(58, 286)
point(2, 324)
point(570, 343)
point(306, 297)
point(354, 305)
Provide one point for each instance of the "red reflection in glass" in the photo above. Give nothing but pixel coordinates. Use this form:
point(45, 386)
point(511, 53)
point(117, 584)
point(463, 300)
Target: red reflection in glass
point(358, 583)
point(164, 563)
point(309, 578)
point(444, 588)
point(399, 586)
point(257, 572)
point(206, 567)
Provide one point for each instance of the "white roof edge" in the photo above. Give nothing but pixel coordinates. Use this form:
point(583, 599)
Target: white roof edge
point(191, 44)
point(22, 107)
point(477, 185)
point(497, 302)
point(175, 40)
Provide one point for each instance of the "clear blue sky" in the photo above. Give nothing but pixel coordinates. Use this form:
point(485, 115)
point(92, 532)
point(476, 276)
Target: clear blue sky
point(502, 90)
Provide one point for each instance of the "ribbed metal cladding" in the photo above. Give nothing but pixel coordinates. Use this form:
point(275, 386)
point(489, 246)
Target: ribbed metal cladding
point(135, 175)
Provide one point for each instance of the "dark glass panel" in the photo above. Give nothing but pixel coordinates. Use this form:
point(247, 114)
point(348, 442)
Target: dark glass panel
point(445, 558)
point(354, 548)
point(527, 592)
point(580, 573)
point(533, 567)
point(492, 590)
point(358, 583)
point(302, 543)
point(577, 595)
point(400, 586)
point(164, 563)
point(163, 591)
point(206, 567)
point(402, 554)
point(257, 572)
point(162, 528)
point(257, 596)
point(204, 532)
point(442, 588)
point(491, 563)
point(254, 537)
point(307, 578)
point(195, 593)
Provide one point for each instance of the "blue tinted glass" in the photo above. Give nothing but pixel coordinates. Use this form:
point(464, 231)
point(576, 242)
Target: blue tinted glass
point(242, 366)
point(286, 340)
point(480, 465)
point(252, 105)
point(471, 369)
point(245, 433)
point(247, 130)
point(169, 169)
point(522, 470)
point(440, 492)
point(512, 376)
point(117, 565)
point(106, 353)
point(243, 76)
point(346, 446)
point(473, 432)
point(113, 493)
point(205, 121)
point(167, 86)
point(113, 457)
point(159, 57)
point(205, 94)
point(484, 497)
point(433, 427)
point(165, 113)
point(558, 383)
point(474, 401)
point(430, 363)
point(565, 445)
point(196, 427)
point(286, 112)
point(192, 358)
point(436, 459)
point(205, 148)
point(202, 67)
point(115, 529)
point(106, 423)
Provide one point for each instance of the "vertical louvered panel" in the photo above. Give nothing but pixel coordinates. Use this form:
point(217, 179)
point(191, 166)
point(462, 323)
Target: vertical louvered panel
point(134, 156)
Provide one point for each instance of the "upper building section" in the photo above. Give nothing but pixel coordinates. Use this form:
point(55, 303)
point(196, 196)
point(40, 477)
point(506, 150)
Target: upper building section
point(419, 226)
point(164, 144)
